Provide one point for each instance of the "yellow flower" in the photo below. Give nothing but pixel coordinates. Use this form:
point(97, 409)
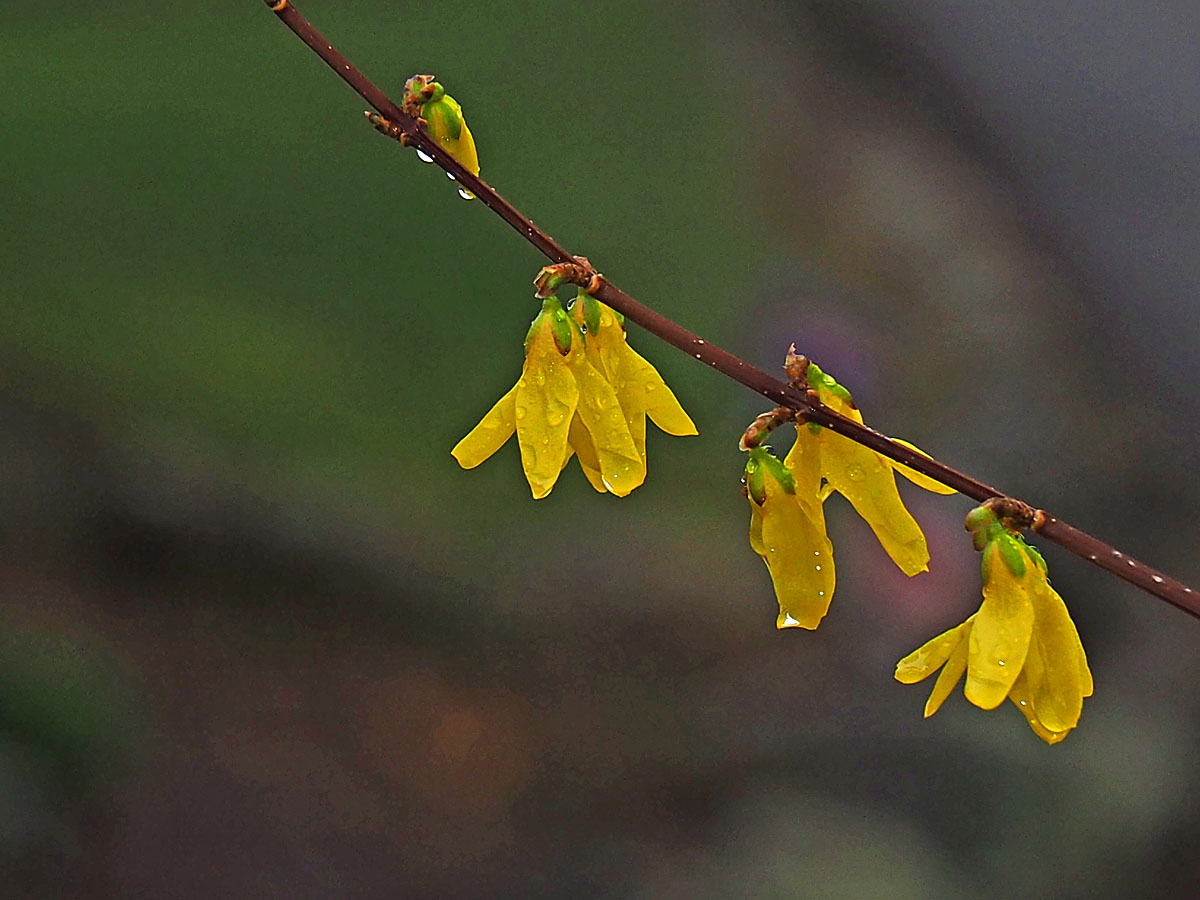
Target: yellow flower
point(640, 389)
point(863, 477)
point(561, 405)
point(788, 532)
point(1021, 644)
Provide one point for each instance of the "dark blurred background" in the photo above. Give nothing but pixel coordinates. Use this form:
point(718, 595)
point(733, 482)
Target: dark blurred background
point(261, 637)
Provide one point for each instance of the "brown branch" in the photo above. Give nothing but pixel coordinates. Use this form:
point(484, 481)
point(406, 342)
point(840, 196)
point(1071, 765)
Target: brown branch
point(778, 392)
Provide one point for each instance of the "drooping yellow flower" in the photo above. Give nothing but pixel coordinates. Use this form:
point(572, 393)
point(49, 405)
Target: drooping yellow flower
point(561, 405)
point(640, 389)
point(1021, 643)
point(863, 477)
point(788, 531)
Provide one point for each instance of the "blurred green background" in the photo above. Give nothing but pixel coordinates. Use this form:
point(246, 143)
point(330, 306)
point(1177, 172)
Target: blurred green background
point(261, 637)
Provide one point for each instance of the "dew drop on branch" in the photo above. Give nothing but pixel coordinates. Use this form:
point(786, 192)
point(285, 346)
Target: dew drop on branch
point(465, 194)
point(423, 156)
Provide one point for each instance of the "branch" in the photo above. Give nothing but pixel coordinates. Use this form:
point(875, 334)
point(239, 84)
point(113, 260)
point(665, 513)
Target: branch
point(1078, 542)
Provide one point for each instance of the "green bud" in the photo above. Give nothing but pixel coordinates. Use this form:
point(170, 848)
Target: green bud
point(980, 517)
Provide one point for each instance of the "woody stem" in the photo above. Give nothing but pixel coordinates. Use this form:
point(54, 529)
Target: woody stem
point(778, 392)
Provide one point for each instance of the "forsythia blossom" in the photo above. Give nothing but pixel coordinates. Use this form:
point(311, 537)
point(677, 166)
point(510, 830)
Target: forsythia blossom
point(574, 399)
point(787, 529)
point(863, 477)
point(1021, 644)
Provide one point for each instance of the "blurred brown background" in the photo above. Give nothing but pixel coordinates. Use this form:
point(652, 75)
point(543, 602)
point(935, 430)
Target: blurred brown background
point(260, 636)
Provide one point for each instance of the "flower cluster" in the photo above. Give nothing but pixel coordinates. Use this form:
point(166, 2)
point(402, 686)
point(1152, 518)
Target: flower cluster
point(1020, 644)
point(583, 392)
point(787, 522)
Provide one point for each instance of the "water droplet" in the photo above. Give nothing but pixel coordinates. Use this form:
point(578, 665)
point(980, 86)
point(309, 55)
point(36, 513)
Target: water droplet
point(772, 549)
point(697, 356)
point(539, 379)
point(1023, 703)
point(1158, 579)
point(788, 620)
point(820, 593)
point(546, 441)
point(520, 412)
point(816, 553)
point(651, 387)
point(556, 416)
point(818, 568)
point(1117, 553)
point(854, 473)
point(1131, 563)
point(451, 177)
point(999, 662)
point(423, 156)
point(465, 194)
point(699, 341)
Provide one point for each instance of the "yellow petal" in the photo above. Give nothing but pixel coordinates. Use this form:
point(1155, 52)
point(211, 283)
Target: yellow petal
point(756, 538)
point(865, 478)
point(1021, 698)
point(798, 555)
point(916, 477)
point(637, 382)
point(931, 655)
point(804, 463)
point(999, 639)
point(545, 401)
point(622, 468)
point(952, 673)
point(581, 442)
point(492, 432)
point(1058, 695)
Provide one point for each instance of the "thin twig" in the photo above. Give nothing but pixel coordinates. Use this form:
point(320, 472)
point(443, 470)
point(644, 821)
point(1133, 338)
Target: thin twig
point(782, 394)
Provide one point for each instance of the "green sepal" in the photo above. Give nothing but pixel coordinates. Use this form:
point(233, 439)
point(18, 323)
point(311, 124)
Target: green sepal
point(818, 379)
point(985, 565)
point(755, 479)
point(814, 427)
point(591, 312)
point(1036, 556)
point(560, 322)
point(1010, 551)
point(766, 462)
